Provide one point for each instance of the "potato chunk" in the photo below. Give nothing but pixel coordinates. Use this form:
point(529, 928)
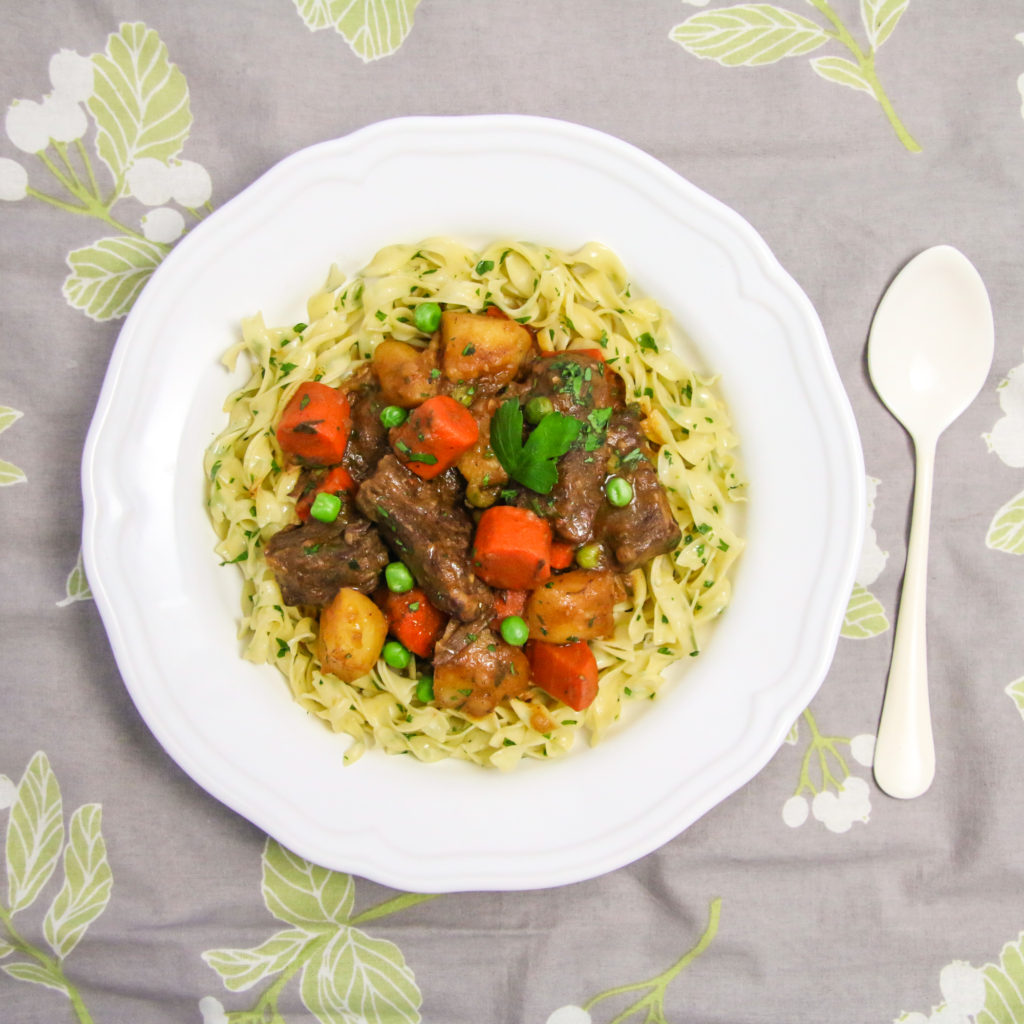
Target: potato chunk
point(407, 375)
point(576, 605)
point(474, 345)
point(476, 678)
point(484, 474)
point(352, 632)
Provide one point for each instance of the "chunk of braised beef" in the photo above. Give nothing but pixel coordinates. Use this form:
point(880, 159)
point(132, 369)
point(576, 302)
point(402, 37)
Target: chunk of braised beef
point(646, 527)
point(579, 386)
point(475, 670)
point(368, 438)
point(314, 560)
point(576, 382)
point(426, 524)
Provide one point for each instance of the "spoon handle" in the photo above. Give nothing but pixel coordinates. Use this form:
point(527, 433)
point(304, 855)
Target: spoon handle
point(904, 761)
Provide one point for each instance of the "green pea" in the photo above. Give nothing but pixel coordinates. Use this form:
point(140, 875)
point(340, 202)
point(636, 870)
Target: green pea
point(398, 578)
point(514, 630)
point(537, 408)
point(588, 556)
point(425, 689)
point(325, 507)
point(619, 491)
point(427, 317)
point(393, 415)
point(396, 654)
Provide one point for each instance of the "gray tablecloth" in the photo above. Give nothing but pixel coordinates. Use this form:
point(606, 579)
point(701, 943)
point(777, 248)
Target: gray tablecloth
point(851, 135)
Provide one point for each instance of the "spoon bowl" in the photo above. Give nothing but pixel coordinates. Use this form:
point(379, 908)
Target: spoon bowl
point(929, 353)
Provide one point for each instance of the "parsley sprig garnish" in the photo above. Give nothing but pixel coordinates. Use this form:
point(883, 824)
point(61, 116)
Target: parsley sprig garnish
point(533, 463)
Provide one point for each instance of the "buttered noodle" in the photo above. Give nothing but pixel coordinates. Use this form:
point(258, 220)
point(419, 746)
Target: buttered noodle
point(572, 300)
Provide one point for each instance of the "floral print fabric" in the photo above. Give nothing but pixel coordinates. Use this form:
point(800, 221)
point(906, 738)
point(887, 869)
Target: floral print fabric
point(127, 893)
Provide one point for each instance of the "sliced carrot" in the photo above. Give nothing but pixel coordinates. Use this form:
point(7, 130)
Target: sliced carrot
point(315, 424)
point(506, 603)
point(435, 436)
point(334, 481)
point(568, 672)
point(512, 548)
point(413, 620)
point(562, 554)
point(594, 353)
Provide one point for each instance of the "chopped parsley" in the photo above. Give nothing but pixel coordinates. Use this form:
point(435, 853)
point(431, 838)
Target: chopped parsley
point(533, 463)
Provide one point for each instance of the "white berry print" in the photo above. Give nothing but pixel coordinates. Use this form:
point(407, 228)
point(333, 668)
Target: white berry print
point(827, 790)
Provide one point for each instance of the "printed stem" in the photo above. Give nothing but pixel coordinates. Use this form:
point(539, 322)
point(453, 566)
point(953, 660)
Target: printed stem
point(265, 1011)
point(62, 152)
point(392, 906)
point(48, 963)
point(654, 1001)
point(902, 134)
point(74, 187)
point(87, 163)
point(842, 33)
point(866, 63)
point(61, 204)
point(91, 208)
point(822, 746)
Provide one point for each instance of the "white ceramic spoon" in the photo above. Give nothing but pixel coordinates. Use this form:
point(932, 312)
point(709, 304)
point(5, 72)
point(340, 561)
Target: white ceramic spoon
point(929, 352)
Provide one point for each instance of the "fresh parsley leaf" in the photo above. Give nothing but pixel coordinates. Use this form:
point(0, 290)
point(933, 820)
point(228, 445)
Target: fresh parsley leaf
point(533, 464)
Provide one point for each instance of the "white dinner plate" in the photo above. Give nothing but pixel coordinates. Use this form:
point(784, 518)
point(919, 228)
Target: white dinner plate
point(172, 612)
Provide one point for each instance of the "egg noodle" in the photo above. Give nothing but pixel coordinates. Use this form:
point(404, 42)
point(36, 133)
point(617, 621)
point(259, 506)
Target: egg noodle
point(572, 300)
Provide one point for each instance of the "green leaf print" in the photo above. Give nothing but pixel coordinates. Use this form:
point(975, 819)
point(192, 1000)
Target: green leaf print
point(842, 72)
point(37, 974)
point(372, 28)
point(1004, 986)
point(106, 277)
point(7, 417)
point(865, 616)
point(35, 839)
point(87, 882)
point(77, 586)
point(880, 18)
point(749, 34)
point(240, 969)
point(315, 13)
point(35, 833)
point(1015, 691)
point(346, 976)
point(303, 894)
point(140, 102)
point(1006, 531)
point(9, 473)
point(355, 977)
